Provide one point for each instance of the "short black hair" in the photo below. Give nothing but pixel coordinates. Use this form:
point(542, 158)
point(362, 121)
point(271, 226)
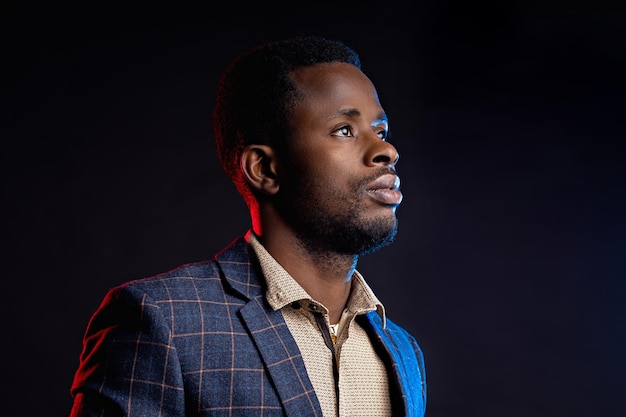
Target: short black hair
point(255, 94)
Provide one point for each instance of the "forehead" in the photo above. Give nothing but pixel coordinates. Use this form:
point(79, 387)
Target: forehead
point(336, 86)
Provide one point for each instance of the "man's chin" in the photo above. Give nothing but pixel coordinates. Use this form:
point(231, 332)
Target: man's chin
point(381, 243)
point(380, 236)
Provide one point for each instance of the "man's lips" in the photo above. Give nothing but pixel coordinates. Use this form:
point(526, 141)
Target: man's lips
point(386, 189)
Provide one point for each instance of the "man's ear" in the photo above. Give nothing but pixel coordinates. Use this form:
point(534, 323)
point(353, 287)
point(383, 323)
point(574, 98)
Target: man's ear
point(259, 167)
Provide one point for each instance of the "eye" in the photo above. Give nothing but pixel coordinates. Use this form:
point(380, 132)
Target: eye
point(383, 134)
point(343, 131)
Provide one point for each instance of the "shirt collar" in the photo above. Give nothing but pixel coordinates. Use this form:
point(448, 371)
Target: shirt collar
point(283, 289)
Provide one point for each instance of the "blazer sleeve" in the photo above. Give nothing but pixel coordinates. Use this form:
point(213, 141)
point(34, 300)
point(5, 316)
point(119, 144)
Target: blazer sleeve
point(129, 364)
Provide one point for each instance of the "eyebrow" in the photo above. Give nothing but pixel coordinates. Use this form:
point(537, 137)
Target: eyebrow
point(352, 112)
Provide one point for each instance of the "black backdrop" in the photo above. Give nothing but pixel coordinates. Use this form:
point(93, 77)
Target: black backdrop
point(510, 262)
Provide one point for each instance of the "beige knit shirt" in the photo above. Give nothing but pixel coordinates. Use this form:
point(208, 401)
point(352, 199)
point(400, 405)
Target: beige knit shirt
point(363, 382)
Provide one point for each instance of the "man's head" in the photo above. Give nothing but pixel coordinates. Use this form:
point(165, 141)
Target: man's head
point(300, 128)
point(256, 94)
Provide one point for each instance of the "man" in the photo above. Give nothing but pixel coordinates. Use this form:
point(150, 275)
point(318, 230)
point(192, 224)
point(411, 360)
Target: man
point(279, 323)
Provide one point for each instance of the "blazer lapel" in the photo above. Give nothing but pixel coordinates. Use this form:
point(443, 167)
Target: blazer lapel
point(282, 358)
point(275, 344)
point(404, 371)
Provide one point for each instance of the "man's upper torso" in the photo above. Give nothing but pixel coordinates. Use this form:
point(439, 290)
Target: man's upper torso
point(203, 340)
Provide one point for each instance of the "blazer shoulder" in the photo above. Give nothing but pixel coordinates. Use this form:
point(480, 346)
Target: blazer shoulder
point(229, 270)
point(397, 334)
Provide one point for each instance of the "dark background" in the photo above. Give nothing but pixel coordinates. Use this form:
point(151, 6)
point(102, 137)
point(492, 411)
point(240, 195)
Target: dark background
point(510, 262)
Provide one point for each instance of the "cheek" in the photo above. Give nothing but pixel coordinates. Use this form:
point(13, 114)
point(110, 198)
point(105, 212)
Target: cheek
point(332, 162)
point(322, 167)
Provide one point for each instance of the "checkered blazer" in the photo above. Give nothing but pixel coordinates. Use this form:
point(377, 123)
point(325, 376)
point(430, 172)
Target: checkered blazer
point(201, 340)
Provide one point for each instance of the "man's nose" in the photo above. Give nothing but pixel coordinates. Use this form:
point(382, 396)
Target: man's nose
point(382, 153)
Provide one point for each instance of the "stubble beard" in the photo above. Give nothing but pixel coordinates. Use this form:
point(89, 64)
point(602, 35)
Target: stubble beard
point(342, 229)
point(345, 235)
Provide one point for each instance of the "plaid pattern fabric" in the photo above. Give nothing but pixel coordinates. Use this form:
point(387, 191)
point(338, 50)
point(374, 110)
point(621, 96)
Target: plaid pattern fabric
point(201, 340)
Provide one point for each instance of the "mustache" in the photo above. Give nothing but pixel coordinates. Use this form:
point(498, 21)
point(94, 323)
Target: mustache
point(382, 171)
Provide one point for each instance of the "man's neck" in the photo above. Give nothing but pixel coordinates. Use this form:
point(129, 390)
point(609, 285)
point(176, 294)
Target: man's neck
point(324, 275)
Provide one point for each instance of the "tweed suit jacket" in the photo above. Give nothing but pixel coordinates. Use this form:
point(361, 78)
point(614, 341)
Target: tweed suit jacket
point(201, 340)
